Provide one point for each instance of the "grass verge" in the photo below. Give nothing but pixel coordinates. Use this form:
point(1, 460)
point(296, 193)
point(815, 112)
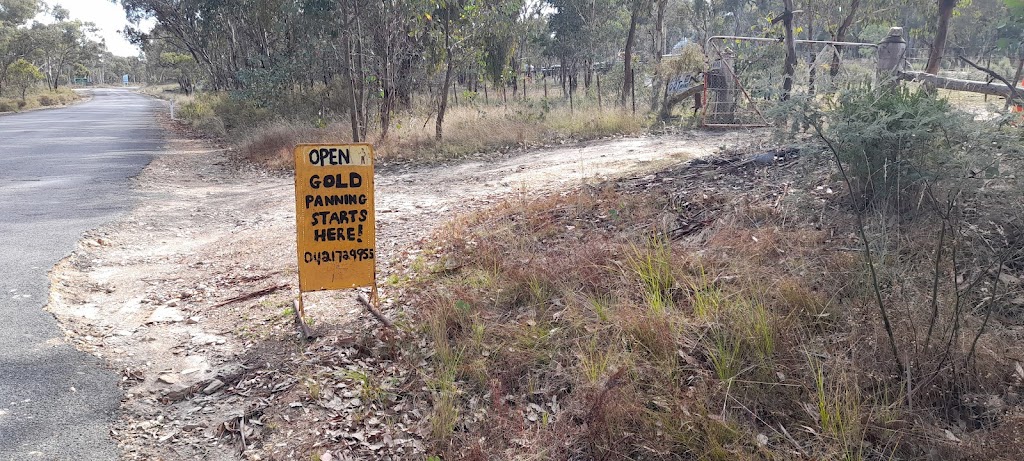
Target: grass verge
point(38, 99)
point(611, 323)
point(265, 137)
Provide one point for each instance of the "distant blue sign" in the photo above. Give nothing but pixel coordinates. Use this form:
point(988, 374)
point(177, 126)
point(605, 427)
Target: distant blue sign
point(124, 79)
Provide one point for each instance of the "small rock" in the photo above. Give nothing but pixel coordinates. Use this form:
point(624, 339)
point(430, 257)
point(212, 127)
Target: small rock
point(766, 158)
point(1009, 279)
point(165, 314)
point(169, 378)
point(178, 392)
point(214, 386)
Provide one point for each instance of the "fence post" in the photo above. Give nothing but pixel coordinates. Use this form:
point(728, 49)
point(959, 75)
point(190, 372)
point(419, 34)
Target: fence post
point(891, 56)
point(721, 103)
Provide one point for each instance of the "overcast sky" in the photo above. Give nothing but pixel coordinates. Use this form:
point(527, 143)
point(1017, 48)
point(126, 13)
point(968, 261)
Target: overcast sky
point(108, 17)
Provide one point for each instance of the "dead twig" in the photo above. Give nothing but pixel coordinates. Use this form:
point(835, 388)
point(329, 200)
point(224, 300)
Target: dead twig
point(1014, 95)
point(248, 296)
point(380, 317)
point(305, 333)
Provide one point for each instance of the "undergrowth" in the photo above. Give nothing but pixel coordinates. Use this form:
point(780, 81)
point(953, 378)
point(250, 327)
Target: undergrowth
point(39, 97)
point(575, 326)
point(265, 135)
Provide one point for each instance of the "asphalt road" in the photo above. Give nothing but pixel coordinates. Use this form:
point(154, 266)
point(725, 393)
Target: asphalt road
point(62, 172)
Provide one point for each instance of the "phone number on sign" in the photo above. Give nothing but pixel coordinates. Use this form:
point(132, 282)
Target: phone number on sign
point(324, 257)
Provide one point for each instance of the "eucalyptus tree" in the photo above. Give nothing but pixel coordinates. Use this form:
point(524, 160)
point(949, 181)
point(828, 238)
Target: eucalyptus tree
point(582, 32)
point(14, 40)
point(945, 13)
point(62, 43)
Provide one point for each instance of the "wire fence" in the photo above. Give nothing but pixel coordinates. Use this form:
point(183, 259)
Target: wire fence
point(745, 78)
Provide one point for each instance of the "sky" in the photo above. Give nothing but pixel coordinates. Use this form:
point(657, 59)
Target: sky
point(108, 17)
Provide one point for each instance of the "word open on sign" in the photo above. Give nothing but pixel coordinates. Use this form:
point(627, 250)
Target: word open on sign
point(334, 216)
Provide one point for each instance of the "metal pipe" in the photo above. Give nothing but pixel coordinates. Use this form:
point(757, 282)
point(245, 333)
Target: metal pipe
point(779, 40)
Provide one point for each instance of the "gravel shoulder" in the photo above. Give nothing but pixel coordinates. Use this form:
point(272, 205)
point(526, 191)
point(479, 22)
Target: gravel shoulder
point(188, 297)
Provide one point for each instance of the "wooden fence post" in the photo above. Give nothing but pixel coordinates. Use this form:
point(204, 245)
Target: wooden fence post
point(891, 56)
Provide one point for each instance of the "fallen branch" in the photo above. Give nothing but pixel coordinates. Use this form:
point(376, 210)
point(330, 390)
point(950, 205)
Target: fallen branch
point(671, 101)
point(380, 317)
point(993, 74)
point(305, 333)
point(248, 296)
point(956, 84)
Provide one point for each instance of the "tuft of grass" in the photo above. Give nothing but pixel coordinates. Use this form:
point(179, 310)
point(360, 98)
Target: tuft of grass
point(601, 305)
point(757, 327)
point(839, 410)
point(707, 299)
point(725, 355)
point(445, 412)
point(370, 387)
point(313, 387)
point(652, 264)
point(594, 360)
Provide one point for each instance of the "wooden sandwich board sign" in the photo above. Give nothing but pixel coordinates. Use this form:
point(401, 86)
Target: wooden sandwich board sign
point(334, 219)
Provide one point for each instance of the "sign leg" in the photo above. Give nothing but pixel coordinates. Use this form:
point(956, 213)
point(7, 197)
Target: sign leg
point(300, 322)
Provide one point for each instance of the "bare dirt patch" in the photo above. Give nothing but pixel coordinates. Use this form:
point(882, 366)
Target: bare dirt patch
point(189, 296)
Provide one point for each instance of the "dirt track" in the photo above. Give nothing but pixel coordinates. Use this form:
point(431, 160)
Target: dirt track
point(139, 292)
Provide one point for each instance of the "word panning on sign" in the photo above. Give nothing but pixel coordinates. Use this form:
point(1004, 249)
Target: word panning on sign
point(333, 200)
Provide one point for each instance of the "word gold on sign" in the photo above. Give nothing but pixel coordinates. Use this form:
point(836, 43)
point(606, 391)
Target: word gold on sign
point(334, 216)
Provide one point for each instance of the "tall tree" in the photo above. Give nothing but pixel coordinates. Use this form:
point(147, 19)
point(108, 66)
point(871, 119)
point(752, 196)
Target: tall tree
point(636, 9)
point(941, 30)
point(789, 65)
point(659, 47)
point(14, 40)
point(23, 75)
point(841, 35)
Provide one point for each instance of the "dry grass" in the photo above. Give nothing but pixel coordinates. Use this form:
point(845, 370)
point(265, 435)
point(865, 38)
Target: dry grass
point(574, 329)
point(38, 98)
point(265, 138)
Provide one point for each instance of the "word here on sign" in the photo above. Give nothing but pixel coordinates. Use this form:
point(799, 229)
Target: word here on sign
point(334, 216)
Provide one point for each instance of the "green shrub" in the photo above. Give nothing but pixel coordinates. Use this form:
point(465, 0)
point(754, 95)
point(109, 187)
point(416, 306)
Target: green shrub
point(7, 107)
point(45, 100)
point(893, 141)
point(195, 109)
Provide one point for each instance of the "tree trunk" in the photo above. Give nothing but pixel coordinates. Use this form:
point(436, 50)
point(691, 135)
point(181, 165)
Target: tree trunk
point(812, 56)
point(671, 101)
point(364, 118)
point(627, 60)
point(659, 49)
point(789, 67)
point(941, 30)
point(350, 75)
point(443, 104)
point(1016, 78)
point(841, 32)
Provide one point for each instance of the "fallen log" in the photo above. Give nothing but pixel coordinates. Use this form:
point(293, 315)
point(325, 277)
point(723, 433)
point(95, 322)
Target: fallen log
point(671, 101)
point(956, 84)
